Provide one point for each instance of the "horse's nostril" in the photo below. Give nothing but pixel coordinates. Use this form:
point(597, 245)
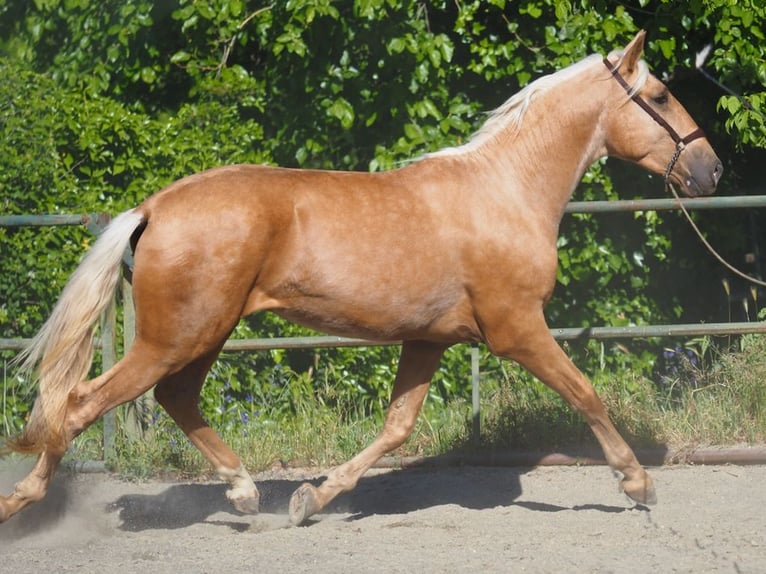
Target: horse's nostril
point(717, 172)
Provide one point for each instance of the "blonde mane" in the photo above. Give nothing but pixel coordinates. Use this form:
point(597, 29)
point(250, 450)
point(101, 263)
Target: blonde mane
point(510, 114)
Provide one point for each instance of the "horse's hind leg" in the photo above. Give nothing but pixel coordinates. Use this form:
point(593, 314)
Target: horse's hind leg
point(417, 364)
point(33, 487)
point(179, 396)
point(129, 378)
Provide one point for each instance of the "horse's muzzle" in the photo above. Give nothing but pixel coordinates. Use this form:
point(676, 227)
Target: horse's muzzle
point(704, 171)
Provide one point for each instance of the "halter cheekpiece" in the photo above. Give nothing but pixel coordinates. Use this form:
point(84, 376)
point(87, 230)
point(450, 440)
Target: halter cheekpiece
point(681, 142)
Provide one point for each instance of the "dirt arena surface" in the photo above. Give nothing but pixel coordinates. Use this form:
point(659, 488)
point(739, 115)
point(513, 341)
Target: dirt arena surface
point(469, 519)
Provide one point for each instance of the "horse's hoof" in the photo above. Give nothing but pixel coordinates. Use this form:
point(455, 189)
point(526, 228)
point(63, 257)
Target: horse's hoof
point(641, 490)
point(303, 504)
point(247, 504)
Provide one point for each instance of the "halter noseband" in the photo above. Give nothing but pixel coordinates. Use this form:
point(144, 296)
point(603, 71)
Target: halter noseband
point(681, 142)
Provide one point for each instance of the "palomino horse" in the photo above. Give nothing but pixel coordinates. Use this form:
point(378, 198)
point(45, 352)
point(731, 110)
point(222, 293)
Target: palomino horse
point(459, 246)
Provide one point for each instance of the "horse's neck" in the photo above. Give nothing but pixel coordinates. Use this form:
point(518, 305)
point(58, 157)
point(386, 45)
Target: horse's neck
point(559, 138)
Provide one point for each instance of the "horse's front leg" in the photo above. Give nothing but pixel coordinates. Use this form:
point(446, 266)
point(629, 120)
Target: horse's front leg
point(417, 364)
point(537, 351)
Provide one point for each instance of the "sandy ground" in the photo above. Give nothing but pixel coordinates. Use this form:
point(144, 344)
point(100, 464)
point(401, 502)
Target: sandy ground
point(469, 519)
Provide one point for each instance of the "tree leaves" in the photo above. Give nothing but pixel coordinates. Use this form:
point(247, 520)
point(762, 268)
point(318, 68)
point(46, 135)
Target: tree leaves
point(106, 101)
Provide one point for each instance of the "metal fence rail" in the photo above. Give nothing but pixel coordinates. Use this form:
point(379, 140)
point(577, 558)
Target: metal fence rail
point(96, 222)
point(695, 203)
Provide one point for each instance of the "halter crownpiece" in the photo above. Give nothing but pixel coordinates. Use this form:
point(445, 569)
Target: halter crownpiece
point(681, 142)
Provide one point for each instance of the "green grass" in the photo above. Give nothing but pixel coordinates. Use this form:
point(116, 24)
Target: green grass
point(725, 404)
point(722, 402)
point(317, 438)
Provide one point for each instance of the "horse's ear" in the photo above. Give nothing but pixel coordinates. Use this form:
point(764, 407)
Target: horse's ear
point(632, 53)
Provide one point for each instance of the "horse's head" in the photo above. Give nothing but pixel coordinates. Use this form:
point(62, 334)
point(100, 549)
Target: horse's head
point(653, 129)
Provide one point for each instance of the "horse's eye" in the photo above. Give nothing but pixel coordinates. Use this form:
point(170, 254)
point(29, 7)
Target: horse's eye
point(661, 98)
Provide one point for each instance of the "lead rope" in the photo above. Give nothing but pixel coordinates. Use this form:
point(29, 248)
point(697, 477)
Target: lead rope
point(681, 144)
point(705, 242)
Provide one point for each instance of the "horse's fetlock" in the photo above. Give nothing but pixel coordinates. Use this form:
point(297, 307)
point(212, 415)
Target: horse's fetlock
point(342, 478)
point(28, 493)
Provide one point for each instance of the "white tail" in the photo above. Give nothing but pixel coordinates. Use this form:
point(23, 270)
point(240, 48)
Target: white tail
point(62, 351)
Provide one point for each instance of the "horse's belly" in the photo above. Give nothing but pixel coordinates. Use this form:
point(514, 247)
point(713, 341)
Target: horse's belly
point(392, 321)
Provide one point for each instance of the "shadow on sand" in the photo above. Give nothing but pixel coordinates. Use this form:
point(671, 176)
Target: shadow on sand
point(397, 492)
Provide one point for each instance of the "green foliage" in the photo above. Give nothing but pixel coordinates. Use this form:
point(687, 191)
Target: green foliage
point(33, 179)
point(105, 102)
point(14, 405)
point(747, 117)
point(740, 58)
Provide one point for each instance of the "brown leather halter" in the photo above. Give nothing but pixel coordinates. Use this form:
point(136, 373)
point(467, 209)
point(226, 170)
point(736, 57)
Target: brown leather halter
point(681, 142)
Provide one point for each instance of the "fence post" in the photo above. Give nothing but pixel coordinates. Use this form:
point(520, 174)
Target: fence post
point(475, 395)
point(108, 359)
